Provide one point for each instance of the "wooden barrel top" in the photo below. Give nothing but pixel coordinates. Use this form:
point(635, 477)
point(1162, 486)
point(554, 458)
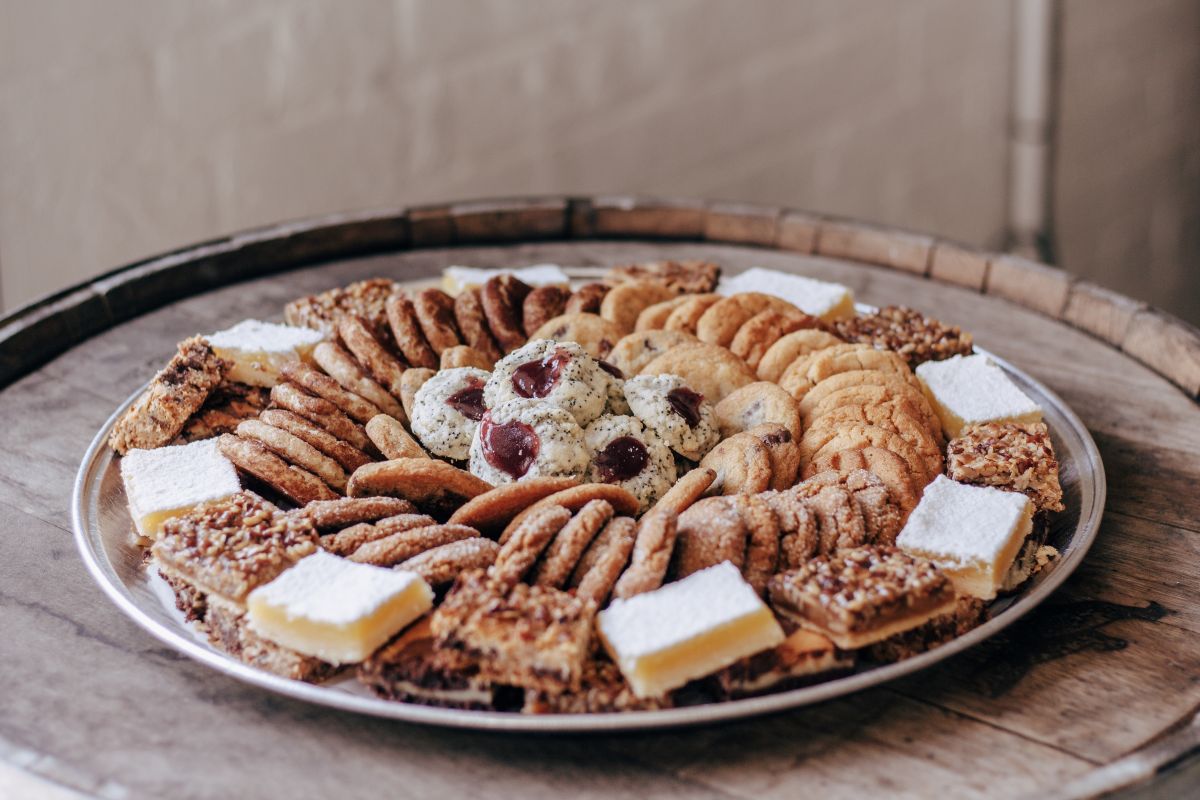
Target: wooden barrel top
point(1096, 690)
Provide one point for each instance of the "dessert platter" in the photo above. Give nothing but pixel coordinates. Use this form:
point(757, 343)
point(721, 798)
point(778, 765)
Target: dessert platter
point(562, 499)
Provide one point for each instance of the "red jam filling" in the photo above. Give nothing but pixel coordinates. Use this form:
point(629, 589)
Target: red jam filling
point(622, 459)
point(469, 401)
point(538, 378)
point(611, 369)
point(686, 404)
point(510, 447)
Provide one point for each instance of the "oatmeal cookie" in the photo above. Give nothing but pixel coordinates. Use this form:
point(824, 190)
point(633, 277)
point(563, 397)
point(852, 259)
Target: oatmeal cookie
point(604, 561)
point(652, 551)
point(387, 434)
point(687, 490)
point(357, 334)
point(431, 485)
point(344, 453)
point(558, 374)
point(297, 484)
point(680, 416)
point(560, 557)
point(406, 330)
point(622, 451)
point(542, 305)
point(884, 464)
point(576, 498)
point(447, 410)
point(709, 532)
point(527, 438)
point(472, 324)
point(491, 511)
point(503, 299)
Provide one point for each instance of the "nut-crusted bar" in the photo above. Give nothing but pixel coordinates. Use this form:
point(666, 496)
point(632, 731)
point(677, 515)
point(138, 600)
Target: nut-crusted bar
point(602, 690)
point(364, 298)
point(803, 657)
point(967, 614)
point(910, 333)
point(176, 393)
point(1010, 456)
point(862, 595)
point(229, 547)
point(228, 629)
point(412, 668)
point(691, 277)
point(534, 637)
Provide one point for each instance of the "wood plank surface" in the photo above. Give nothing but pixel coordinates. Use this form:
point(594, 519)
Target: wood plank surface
point(1100, 671)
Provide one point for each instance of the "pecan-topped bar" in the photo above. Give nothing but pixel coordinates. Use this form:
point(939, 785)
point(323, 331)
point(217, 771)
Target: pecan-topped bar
point(534, 637)
point(1008, 455)
point(862, 595)
point(602, 690)
point(228, 547)
point(916, 337)
point(322, 311)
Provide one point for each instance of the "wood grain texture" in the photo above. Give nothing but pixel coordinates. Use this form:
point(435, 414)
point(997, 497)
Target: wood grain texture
point(509, 220)
point(869, 245)
point(741, 224)
point(1098, 673)
point(632, 217)
point(798, 232)
point(1029, 284)
point(958, 265)
point(1100, 312)
point(1168, 345)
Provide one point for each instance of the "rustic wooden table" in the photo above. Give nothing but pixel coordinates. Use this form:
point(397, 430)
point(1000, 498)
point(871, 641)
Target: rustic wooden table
point(1097, 690)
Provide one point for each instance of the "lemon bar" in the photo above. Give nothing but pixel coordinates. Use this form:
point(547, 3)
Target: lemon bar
point(336, 610)
point(972, 533)
point(823, 299)
point(456, 279)
point(258, 350)
point(170, 481)
point(687, 629)
point(968, 390)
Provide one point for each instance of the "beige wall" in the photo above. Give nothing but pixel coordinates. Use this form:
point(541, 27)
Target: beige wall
point(131, 126)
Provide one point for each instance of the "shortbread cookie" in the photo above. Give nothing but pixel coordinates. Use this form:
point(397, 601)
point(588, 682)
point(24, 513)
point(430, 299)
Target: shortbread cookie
point(297, 484)
point(542, 305)
point(721, 321)
point(636, 350)
point(687, 490)
point(887, 416)
point(472, 324)
point(320, 384)
point(858, 436)
point(651, 555)
point(686, 316)
point(576, 498)
point(439, 566)
point(906, 386)
point(586, 299)
point(604, 561)
point(406, 330)
point(447, 410)
point(174, 395)
point(390, 437)
point(431, 485)
point(755, 404)
point(711, 531)
point(527, 438)
point(359, 337)
point(711, 370)
point(492, 510)
point(320, 412)
point(556, 374)
point(742, 463)
point(689, 276)
point(790, 348)
point(529, 538)
point(344, 453)
point(623, 452)
point(760, 332)
point(914, 336)
point(401, 545)
point(327, 515)
point(462, 355)
point(654, 317)
point(295, 451)
point(762, 540)
point(435, 314)
point(675, 412)
point(410, 384)
point(784, 453)
point(626, 301)
point(895, 394)
point(560, 557)
point(342, 367)
point(503, 299)
point(884, 464)
point(592, 332)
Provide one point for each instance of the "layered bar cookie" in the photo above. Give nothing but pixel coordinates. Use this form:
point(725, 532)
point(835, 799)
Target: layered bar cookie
point(687, 629)
point(535, 637)
point(973, 533)
point(412, 668)
point(829, 301)
point(171, 481)
point(968, 390)
point(602, 690)
point(1008, 455)
point(336, 610)
point(968, 613)
point(803, 657)
point(862, 595)
point(910, 333)
point(257, 350)
point(175, 394)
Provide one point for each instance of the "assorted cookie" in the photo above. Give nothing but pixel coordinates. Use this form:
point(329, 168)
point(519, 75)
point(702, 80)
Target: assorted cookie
point(651, 490)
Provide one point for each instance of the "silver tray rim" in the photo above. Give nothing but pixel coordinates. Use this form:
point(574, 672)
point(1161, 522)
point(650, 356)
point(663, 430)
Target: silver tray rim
point(181, 638)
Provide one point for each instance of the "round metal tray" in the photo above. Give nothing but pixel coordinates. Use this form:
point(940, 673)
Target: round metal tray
point(103, 528)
